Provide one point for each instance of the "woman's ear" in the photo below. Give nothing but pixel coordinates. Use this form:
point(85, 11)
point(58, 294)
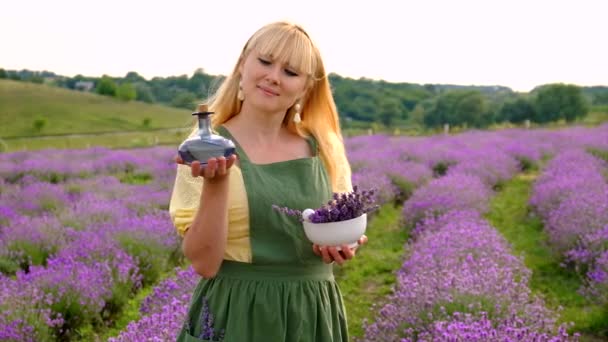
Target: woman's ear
point(240, 66)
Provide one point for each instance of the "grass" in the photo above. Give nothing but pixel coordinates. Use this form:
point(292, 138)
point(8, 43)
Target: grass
point(597, 115)
point(110, 140)
point(129, 313)
point(558, 286)
point(63, 111)
point(368, 278)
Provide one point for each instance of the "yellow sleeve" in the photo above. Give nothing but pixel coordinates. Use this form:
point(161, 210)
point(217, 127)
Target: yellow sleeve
point(185, 199)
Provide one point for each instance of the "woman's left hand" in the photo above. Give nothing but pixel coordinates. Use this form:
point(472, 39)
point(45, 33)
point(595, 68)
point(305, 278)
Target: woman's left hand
point(331, 253)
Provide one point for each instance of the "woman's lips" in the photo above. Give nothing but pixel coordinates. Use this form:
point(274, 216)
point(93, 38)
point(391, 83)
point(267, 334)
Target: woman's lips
point(268, 91)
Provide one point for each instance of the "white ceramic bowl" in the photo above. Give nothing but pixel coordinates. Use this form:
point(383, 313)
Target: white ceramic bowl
point(336, 233)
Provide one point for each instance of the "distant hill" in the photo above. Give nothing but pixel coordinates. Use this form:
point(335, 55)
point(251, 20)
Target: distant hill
point(62, 105)
point(58, 111)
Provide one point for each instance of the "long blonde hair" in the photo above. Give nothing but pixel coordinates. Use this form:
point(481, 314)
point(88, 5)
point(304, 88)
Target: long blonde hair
point(289, 42)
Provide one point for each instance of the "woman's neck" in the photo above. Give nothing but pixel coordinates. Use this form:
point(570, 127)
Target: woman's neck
point(258, 128)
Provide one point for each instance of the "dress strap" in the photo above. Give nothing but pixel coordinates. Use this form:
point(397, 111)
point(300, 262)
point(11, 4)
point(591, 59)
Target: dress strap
point(314, 145)
point(239, 150)
point(312, 142)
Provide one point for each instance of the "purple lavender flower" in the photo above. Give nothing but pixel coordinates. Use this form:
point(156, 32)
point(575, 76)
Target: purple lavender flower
point(341, 207)
point(454, 191)
point(458, 264)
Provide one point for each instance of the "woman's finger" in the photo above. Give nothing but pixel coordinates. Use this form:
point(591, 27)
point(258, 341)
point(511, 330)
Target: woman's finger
point(335, 254)
point(221, 166)
point(230, 161)
point(362, 240)
point(195, 168)
point(315, 249)
point(347, 253)
point(210, 168)
point(325, 255)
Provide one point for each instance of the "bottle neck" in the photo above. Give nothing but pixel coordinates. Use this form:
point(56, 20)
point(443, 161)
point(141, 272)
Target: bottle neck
point(204, 126)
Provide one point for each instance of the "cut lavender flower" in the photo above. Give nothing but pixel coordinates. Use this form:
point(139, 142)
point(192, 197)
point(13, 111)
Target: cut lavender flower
point(342, 207)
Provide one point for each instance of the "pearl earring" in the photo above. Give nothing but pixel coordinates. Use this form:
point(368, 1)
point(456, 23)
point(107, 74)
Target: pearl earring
point(296, 117)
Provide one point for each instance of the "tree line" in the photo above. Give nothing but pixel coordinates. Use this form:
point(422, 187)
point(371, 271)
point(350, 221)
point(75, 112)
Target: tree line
point(363, 101)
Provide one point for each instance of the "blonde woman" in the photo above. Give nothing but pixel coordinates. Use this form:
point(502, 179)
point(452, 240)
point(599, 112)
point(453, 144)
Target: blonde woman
point(262, 279)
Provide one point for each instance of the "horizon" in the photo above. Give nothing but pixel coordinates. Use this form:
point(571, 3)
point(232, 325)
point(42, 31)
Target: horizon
point(363, 77)
point(519, 45)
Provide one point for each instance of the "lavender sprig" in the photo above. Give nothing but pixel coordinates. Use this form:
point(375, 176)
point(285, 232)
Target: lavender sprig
point(342, 207)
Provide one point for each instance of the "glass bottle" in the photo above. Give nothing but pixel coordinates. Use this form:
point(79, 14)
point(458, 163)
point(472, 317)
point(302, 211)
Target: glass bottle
point(205, 144)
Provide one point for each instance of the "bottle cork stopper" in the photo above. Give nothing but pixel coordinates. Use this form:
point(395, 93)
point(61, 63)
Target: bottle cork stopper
point(202, 108)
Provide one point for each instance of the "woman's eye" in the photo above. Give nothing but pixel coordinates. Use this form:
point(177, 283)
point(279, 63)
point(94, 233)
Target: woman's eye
point(264, 61)
point(291, 73)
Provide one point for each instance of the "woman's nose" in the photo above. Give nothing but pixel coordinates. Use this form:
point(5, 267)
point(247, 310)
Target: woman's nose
point(274, 74)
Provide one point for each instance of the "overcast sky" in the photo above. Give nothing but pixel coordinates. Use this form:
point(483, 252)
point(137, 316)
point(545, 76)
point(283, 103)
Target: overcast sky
point(515, 43)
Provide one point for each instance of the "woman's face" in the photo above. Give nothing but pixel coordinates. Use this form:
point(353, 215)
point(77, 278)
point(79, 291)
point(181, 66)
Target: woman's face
point(269, 85)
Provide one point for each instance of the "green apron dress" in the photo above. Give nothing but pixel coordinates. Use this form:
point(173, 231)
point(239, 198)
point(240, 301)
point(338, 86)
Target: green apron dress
point(287, 293)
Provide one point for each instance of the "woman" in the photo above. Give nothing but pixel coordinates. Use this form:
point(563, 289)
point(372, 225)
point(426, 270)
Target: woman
point(262, 279)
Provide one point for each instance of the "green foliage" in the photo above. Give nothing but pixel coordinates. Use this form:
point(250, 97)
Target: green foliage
point(106, 86)
point(135, 178)
point(26, 253)
point(526, 164)
point(68, 305)
point(368, 100)
point(559, 102)
point(517, 111)
point(146, 122)
point(144, 93)
point(390, 109)
point(3, 73)
point(39, 124)
point(416, 116)
point(14, 76)
point(600, 99)
point(8, 265)
point(121, 293)
point(602, 154)
point(441, 168)
point(133, 77)
point(152, 258)
point(596, 95)
point(185, 100)
point(54, 177)
point(126, 92)
point(405, 188)
point(459, 107)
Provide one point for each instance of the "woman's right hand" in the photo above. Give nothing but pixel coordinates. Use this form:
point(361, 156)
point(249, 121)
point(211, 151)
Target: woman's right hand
point(215, 169)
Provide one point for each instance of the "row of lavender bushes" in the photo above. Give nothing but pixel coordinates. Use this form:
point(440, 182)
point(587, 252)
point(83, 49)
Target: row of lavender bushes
point(395, 166)
point(459, 280)
point(571, 197)
point(79, 237)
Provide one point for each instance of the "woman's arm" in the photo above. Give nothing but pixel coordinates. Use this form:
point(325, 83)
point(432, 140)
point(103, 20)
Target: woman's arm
point(205, 241)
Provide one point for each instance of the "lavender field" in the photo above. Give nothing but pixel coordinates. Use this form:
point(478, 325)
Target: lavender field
point(84, 231)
